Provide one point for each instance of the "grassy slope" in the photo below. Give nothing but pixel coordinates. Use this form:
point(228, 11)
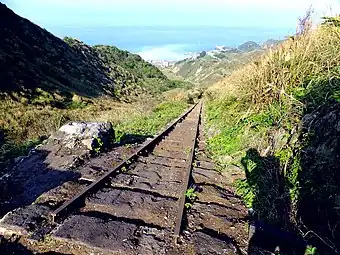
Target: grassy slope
point(149, 123)
point(46, 82)
point(146, 74)
point(253, 117)
point(28, 125)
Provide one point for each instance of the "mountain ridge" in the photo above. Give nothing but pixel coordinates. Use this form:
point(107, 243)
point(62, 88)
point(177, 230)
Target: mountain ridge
point(34, 60)
point(46, 81)
point(208, 67)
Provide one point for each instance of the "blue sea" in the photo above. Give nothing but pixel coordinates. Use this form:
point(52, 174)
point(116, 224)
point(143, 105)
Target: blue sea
point(170, 43)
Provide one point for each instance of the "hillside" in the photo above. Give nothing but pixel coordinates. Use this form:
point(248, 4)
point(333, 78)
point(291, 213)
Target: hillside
point(209, 67)
point(32, 58)
point(47, 81)
point(274, 129)
point(249, 46)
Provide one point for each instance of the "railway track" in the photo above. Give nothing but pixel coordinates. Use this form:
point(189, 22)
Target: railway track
point(150, 185)
point(165, 198)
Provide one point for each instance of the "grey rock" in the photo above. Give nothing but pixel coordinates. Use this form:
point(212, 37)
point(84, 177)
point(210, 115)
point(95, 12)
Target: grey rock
point(18, 159)
point(85, 133)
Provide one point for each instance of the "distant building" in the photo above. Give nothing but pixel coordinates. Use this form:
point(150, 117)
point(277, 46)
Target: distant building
point(222, 48)
point(162, 63)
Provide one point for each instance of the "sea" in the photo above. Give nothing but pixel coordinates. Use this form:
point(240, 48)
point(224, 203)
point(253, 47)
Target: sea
point(168, 42)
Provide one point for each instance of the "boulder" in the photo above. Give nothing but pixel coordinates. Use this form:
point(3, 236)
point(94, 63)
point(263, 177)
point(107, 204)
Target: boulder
point(95, 136)
point(75, 142)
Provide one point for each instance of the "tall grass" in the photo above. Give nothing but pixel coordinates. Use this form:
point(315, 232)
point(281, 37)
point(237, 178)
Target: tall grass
point(275, 91)
point(290, 72)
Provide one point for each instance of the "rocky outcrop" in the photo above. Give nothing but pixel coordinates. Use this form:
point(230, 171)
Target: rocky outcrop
point(92, 136)
point(249, 46)
point(319, 178)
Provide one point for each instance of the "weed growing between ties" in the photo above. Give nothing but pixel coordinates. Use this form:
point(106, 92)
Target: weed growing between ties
point(190, 197)
point(262, 118)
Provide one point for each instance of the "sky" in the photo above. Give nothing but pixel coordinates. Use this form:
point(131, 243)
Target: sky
point(258, 13)
point(169, 29)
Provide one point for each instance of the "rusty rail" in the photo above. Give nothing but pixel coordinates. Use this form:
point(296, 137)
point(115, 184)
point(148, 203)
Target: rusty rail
point(179, 218)
point(77, 200)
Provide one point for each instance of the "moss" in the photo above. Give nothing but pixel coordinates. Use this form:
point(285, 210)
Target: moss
point(97, 145)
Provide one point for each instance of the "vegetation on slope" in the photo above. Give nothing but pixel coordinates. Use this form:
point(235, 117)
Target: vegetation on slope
point(34, 64)
point(263, 119)
point(148, 124)
point(149, 77)
point(46, 82)
point(211, 67)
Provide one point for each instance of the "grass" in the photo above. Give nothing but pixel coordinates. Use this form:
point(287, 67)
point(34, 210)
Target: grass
point(147, 125)
point(23, 125)
point(254, 119)
point(12, 150)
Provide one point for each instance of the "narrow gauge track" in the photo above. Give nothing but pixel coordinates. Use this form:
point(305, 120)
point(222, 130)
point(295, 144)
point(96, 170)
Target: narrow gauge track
point(138, 206)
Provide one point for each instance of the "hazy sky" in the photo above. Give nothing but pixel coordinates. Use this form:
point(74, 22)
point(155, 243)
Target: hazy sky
point(258, 13)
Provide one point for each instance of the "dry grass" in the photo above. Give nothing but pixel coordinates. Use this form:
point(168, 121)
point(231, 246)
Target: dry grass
point(176, 95)
point(22, 122)
point(285, 73)
point(24, 125)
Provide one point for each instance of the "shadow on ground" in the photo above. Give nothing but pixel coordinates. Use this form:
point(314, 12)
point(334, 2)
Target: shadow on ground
point(44, 170)
point(317, 202)
point(319, 179)
point(29, 179)
point(132, 139)
point(270, 222)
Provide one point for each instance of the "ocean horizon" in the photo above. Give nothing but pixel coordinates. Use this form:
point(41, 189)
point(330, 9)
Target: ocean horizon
point(169, 42)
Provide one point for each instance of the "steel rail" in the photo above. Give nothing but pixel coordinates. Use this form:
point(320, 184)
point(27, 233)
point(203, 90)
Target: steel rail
point(76, 201)
point(179, 219)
